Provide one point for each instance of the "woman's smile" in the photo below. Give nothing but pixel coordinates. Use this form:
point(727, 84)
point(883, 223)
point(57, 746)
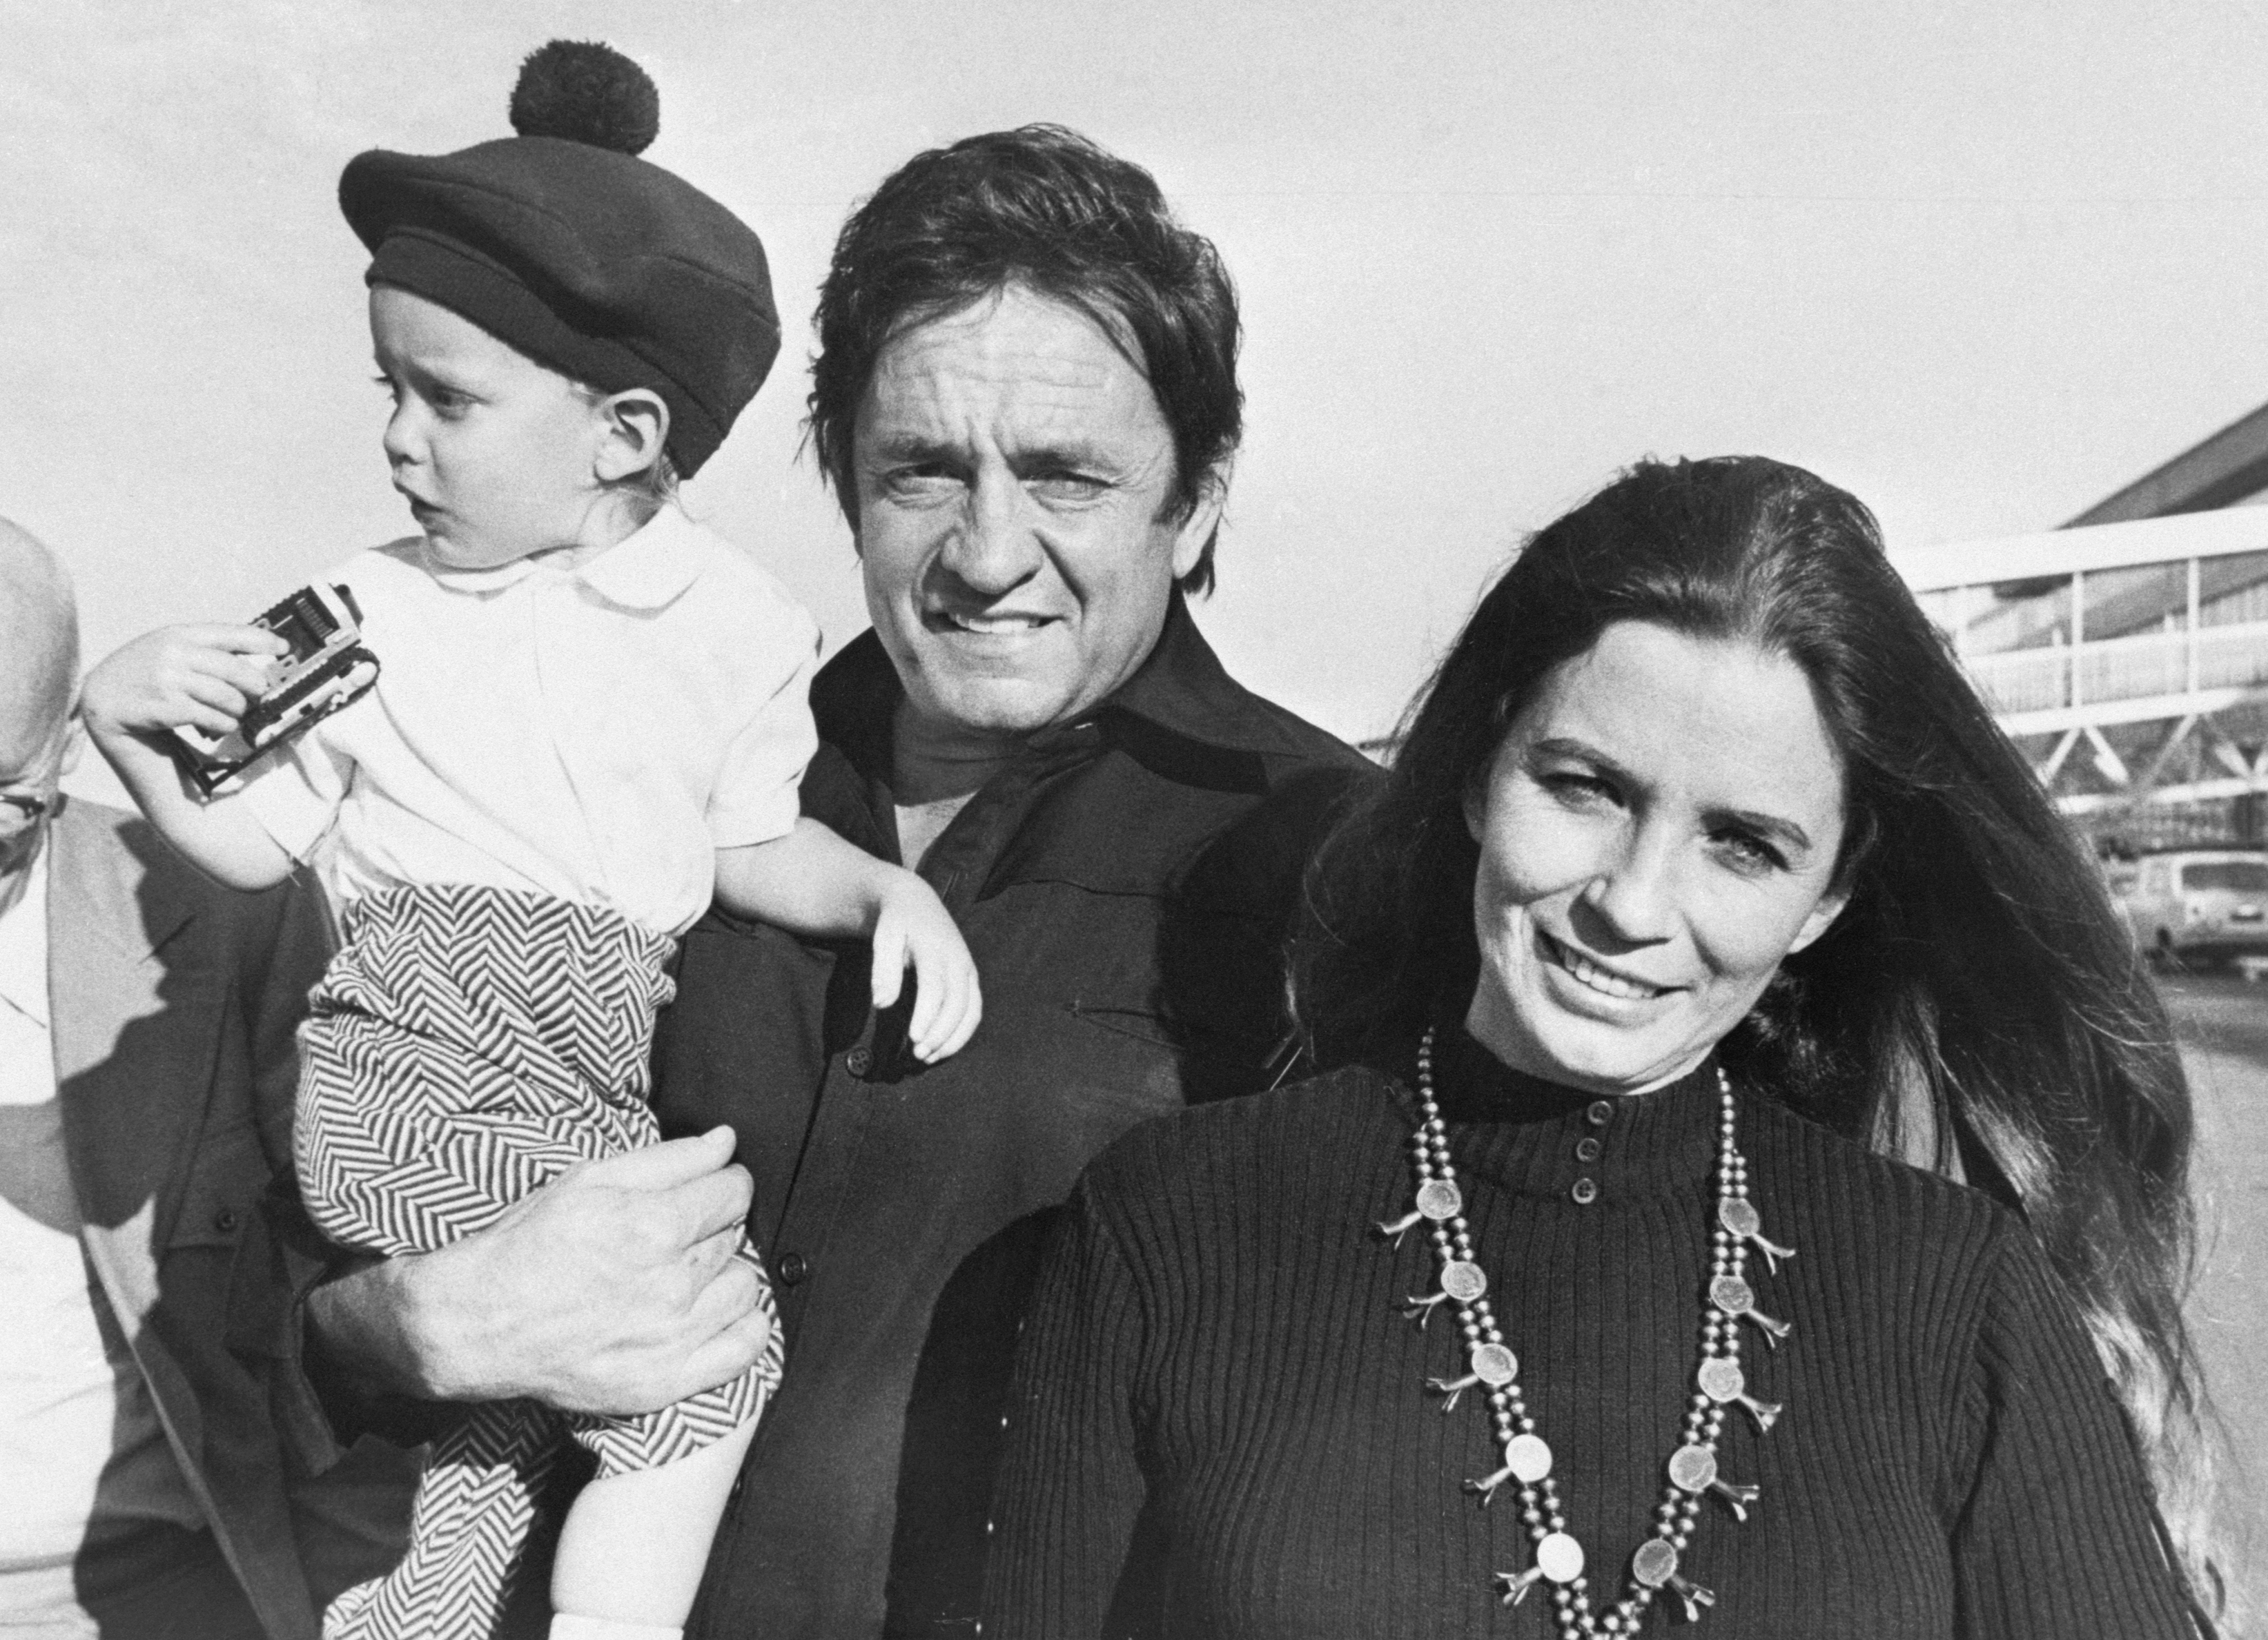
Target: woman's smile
point(1596, 976)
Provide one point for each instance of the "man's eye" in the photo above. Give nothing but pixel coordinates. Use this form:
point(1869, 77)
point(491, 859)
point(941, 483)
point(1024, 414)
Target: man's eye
point(387, 384)
point(919, 478)
point(1066, 486)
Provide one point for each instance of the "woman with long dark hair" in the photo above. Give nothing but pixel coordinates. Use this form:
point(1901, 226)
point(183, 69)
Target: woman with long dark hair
point(1750, 1100)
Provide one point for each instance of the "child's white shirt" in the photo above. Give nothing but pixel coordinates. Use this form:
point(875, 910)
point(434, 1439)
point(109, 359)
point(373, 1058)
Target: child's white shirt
point(594, 734)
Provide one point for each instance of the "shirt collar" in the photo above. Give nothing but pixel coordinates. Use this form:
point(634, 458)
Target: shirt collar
point(645, 569)
point(24, 944)
point(1180, 713)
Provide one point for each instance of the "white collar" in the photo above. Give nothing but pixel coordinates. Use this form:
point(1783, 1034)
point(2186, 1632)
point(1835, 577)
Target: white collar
point(23, 942)
point(645, 569)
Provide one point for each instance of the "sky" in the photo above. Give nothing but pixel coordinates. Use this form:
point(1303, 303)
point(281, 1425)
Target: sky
point(1982, 265)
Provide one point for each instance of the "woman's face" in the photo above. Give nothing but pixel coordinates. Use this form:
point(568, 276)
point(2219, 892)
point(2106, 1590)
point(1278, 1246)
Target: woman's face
point(1658, 830)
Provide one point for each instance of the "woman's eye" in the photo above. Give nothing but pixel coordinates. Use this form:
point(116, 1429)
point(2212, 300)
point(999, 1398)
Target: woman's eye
point(1574, 786)
point(384, 385)
point(1749, 852)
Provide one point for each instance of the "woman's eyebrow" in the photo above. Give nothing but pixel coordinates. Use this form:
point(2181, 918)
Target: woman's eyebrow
point(1569, 746)
point(1775, 827)
point(1784, 831)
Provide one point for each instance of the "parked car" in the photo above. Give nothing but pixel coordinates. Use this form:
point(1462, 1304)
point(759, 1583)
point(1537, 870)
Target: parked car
point(2191, 905)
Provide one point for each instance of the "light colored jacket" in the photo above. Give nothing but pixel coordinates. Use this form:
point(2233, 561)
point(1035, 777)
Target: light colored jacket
point(172, 1003)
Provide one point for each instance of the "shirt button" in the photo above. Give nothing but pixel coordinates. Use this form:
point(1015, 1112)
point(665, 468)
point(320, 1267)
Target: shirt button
point(1602, 1112)
point(1587, 1149)
point(793, 1269)
point(225, 1221)
point(1586, 1192)
point(858, 1060)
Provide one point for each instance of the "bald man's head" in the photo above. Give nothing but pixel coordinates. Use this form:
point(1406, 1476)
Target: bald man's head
point(39, 650)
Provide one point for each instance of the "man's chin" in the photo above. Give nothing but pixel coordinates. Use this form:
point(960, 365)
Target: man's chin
point(952, 701)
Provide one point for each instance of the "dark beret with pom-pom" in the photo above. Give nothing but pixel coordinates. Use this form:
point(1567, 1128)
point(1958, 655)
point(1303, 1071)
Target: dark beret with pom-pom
point(563, 244)
point(586, 92)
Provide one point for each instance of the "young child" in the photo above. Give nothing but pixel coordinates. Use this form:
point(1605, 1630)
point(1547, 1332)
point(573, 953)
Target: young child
point(590, 710)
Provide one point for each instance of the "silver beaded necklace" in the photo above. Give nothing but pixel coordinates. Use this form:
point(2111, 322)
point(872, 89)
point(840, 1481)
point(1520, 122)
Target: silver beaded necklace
point(1493, 1369)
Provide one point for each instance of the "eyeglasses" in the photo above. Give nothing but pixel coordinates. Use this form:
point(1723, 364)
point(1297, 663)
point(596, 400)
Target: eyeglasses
point(19, 814)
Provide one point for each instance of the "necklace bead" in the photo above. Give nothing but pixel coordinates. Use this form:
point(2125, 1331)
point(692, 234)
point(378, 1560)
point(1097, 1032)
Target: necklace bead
point(1493, 1370)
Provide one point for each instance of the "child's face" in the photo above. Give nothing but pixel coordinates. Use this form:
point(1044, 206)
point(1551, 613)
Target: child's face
point(498, 454)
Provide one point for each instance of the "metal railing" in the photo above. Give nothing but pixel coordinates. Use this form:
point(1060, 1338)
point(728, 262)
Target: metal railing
point(2145, 666)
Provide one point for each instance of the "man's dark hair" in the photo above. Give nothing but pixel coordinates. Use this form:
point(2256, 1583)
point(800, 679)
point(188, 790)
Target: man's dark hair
point(1044, 209)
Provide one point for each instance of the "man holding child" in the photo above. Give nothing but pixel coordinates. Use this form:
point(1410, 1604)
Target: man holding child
point(1025, 400)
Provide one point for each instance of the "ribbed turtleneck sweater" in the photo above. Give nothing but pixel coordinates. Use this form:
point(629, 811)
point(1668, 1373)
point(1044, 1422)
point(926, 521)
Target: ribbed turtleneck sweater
point(1221, 1416)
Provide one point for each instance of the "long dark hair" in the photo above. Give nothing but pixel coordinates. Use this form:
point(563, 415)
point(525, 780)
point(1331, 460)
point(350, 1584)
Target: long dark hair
point(1977, 1008)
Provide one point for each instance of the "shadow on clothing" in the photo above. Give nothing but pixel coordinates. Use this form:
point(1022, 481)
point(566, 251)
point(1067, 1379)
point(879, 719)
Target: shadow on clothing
point(166, 1583)
point(953, 1435)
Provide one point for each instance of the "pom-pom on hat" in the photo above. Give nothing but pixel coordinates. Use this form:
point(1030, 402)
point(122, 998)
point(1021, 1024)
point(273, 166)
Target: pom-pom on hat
point(563, 244)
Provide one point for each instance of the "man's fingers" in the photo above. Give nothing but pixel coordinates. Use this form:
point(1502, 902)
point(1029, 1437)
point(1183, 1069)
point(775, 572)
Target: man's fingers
point(729, 1292)
point(726, 1356)
point(666, 1166)
point(711, 1257)
point(715, 1204)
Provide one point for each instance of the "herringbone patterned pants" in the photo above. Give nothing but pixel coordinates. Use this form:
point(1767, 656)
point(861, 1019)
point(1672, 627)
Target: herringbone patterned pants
point(467, 1046)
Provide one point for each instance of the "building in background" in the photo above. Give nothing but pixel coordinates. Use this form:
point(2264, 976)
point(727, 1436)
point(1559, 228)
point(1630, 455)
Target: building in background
point(2127, 653)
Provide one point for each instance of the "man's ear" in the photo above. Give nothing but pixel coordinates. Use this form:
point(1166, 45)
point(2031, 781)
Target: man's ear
point(636, 432)
point(1190, 536)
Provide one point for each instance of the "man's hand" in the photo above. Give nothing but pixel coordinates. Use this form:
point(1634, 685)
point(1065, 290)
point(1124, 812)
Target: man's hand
point(612, 1290)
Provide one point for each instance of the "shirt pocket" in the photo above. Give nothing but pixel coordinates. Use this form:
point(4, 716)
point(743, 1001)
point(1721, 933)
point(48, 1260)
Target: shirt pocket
point(1187, 1056)
point(226, 1177)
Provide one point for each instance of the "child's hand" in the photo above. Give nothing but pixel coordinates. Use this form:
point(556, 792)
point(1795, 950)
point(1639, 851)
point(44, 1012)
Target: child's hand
point(912, 927)
point(202, 676)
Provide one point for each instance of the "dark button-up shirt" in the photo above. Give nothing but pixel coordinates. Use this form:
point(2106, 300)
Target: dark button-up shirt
point(1125, 887)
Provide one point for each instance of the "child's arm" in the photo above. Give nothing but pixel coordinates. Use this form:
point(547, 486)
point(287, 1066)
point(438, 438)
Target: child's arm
point(634, 1544)
point(811, 881)
point(203, 676)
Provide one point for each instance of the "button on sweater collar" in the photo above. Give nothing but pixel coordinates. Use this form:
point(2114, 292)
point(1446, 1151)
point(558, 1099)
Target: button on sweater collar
point(1523, 1132)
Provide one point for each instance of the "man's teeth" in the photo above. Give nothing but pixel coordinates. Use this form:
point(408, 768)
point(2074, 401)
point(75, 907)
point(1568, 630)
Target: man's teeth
point(990, 624)
point(1597, 979)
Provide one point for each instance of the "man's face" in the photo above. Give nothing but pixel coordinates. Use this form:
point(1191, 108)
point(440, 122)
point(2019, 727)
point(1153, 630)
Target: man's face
point(34, 735)
point(1015, 478)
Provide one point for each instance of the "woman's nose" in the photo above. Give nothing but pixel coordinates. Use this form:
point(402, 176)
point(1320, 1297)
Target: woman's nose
point(1634, 894)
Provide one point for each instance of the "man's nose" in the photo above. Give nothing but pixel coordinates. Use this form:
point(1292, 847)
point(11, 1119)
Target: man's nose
point(995, 546)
